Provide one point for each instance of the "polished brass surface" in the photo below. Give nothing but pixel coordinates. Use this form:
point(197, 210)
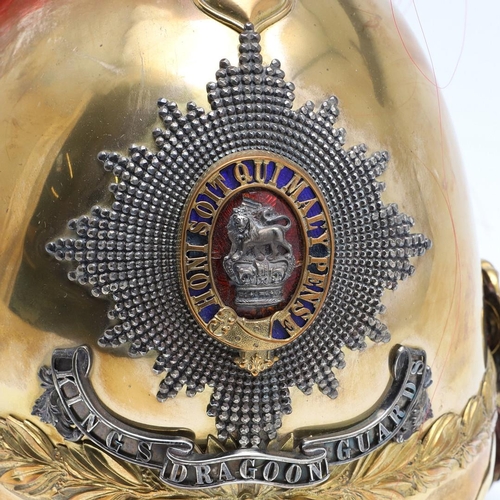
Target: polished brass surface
point(261, 13)
point(80, 76)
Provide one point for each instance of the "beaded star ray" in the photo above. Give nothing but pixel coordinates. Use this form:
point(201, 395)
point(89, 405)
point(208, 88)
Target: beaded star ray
point(128, 252)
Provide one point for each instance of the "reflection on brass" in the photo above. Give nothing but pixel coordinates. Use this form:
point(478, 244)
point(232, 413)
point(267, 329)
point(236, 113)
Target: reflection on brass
point(235, 13)
point(32, 464)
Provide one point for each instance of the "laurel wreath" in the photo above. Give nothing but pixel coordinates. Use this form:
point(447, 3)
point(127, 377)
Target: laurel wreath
point(32, 466)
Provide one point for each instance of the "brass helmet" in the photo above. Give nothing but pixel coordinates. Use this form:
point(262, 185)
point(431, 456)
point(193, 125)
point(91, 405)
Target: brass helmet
point(236, 259)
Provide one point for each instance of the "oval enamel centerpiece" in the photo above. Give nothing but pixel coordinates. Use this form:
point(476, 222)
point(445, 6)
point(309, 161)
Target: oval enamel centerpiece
point(257, 251)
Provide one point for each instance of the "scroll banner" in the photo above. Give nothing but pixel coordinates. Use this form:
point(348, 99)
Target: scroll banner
point(181, 464)
point(403, 410)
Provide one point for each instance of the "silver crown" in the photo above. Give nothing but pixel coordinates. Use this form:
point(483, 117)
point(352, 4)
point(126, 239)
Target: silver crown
point(261, 259)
